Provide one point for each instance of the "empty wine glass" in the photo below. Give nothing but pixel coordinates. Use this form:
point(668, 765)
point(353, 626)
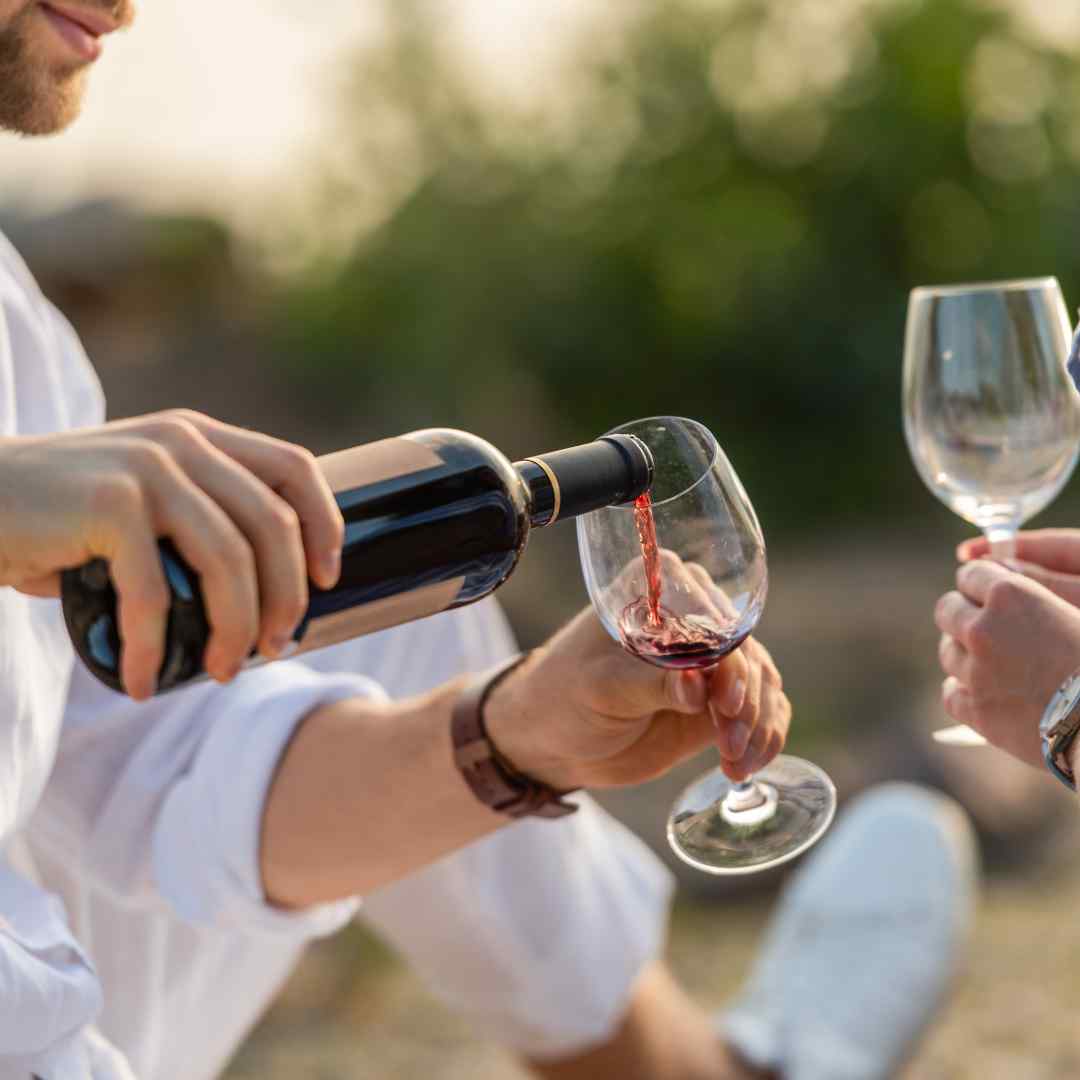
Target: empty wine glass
point(991, 416)
point(697, 540)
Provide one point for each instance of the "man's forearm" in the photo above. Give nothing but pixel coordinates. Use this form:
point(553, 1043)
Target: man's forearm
point(364, 795)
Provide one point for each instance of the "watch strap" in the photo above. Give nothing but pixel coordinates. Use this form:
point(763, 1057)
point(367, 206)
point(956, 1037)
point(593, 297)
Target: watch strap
point(1055, 752)
point(1058, 768)
point(1059, 727)
point(490, 776)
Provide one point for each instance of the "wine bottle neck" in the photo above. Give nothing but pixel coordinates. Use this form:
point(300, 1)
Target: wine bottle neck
point(567, 483)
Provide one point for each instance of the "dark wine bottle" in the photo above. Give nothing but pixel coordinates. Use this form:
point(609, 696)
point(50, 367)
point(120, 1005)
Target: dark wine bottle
point(433, 520)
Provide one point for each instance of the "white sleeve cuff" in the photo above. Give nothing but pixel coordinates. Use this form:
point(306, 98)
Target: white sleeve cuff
point(206, 842)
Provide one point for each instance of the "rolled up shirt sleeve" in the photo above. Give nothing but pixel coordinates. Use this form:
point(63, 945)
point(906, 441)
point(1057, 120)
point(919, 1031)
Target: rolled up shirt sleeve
point(539, 932)
point(161, 804)
point(221, 799)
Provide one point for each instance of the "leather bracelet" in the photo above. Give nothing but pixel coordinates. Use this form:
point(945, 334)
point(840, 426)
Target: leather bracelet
point(492, 779)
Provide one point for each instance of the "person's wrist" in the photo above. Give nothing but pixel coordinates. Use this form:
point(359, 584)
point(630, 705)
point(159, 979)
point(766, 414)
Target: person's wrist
point(515, 724)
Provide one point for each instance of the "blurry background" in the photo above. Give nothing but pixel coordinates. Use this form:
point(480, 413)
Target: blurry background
point(535, 220)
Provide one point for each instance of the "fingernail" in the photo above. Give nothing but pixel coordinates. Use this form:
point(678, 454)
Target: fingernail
point(1013, 564)
point(948, 688)
point(291, 649)
point(738, 738)
point(735, 697)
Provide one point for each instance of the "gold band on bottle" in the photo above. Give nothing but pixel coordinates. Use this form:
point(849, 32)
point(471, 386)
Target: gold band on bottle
point(540, 464)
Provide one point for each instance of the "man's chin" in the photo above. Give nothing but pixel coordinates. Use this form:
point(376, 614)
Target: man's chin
point(43, 109)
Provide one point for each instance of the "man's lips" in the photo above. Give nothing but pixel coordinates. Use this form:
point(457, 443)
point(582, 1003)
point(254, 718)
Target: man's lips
point(95, 23)
point(80, 29)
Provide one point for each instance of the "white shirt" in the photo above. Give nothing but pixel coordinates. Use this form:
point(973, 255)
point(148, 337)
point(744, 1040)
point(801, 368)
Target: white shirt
point(149, 829)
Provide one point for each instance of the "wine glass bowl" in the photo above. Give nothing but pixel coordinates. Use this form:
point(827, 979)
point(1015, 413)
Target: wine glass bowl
point(679, 579)
point(711, 557)
point(991, 417)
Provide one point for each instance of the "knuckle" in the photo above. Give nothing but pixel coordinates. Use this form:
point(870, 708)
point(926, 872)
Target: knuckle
point(941, 609)
point(787, 712)
point(951, 607)
point(284, 518)
point(149, 458)
point(980, 635)
point(770, 674)
point(117, 495)
point(1003, 594)
point(189, 418)
point(175, 432)
point(759, 740)
point(298, 460)
point(231, 562)
point(945, 648)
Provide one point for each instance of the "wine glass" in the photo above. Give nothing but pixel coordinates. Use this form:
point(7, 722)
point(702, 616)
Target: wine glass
point(991, 417)
point(699, 542)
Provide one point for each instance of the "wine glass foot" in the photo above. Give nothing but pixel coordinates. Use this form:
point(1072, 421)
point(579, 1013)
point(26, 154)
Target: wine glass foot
point(715, 827)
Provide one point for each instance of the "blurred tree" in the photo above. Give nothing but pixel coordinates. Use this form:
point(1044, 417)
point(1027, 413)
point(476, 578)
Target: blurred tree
point(719, 214)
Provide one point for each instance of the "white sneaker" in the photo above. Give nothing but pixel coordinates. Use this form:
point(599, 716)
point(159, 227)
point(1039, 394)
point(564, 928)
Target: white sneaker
point(864, 943)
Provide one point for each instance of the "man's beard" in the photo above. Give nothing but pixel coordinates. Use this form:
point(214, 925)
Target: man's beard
point(38, 97)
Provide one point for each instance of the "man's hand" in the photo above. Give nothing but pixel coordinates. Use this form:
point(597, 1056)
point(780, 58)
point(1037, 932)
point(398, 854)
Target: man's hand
point(252, 515)
point(585, 713)
point(1007, 644)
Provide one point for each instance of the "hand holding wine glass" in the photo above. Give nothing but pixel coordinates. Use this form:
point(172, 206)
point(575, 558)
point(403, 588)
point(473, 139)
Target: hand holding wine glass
point(585, 713)
point(991, 417)
point(680, 581)
point(1007, 644)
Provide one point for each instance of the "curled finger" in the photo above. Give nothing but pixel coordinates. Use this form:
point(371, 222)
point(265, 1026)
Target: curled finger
point(736, 730)
point(955, 660)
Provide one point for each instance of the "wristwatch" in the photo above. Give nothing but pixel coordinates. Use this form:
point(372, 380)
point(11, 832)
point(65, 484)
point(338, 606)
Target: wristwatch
point(492, 778)
point(1058, 727)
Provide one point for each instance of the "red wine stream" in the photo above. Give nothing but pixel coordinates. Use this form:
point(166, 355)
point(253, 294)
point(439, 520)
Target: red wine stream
point(654, 633)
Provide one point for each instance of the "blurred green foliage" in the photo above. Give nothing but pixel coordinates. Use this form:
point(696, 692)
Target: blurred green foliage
point(720, 216)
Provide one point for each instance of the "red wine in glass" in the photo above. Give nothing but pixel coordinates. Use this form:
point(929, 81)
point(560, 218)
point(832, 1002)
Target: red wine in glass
point(656, 634)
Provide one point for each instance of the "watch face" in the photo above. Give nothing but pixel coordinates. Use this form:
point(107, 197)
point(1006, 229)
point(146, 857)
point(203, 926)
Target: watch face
point(1061, 704)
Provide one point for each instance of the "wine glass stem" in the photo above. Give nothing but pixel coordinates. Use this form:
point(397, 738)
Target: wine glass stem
point(1002, 542)
point(744, 796)
point(749, 804)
